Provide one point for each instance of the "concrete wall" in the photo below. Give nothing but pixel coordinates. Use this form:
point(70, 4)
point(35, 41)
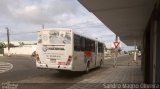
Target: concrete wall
point(151, 48)
point(149, 51)
point(157, 72)
point(24, 50)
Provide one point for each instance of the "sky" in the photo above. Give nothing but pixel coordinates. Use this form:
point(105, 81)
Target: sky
point(25, 17)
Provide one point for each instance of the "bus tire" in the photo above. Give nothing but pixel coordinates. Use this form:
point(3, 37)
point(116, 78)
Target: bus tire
point(87, 67)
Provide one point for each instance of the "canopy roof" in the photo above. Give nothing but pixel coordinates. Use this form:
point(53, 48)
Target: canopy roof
point(126, 18)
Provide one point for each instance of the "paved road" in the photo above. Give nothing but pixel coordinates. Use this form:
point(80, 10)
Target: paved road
point(5, 66)
point(25, 72)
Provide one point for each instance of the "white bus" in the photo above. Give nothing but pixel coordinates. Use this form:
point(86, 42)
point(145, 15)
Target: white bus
point(63, 49)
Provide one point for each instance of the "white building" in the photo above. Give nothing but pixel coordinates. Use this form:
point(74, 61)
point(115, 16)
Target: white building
point(22, 48)
point(20, 43)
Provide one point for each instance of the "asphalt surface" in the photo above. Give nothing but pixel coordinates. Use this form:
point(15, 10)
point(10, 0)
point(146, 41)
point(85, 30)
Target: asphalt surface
point(27, 76)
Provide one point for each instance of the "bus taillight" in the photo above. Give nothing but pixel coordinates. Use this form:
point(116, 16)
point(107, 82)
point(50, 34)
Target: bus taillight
point(37, 58)
point(69, 60)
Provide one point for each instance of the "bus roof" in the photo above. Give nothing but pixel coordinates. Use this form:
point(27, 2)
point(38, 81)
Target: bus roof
point(83, 35)
point(61, 29)
point(65, 29)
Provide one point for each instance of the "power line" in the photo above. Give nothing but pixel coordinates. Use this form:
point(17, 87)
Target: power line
point(2, 36)
point(82, 28)
point(95, 26)
point(36, 31)
point(21, 33)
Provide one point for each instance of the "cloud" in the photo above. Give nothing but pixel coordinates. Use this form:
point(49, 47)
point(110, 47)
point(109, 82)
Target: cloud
point(45, 12)
point(39, 12)
point(29, 15)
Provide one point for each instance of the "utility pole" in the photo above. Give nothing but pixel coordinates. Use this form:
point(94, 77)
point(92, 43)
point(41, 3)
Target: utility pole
point(116, 39)
point(135, 49)
point(116, 44)
point(8, 41)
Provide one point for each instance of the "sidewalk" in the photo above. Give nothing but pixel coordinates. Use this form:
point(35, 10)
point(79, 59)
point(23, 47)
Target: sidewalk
point(15, 56)
point(124, 73)
point(110, 57)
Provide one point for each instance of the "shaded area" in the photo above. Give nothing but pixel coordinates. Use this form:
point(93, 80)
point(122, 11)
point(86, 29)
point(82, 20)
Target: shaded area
point(127, 71)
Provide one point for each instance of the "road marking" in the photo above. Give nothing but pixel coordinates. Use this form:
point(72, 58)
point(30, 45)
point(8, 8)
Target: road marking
point(5, 66)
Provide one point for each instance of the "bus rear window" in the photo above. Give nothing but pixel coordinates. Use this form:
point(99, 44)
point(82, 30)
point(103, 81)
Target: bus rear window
point(59, 37)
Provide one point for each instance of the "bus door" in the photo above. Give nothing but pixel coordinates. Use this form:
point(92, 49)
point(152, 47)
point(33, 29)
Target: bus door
point(96, 53)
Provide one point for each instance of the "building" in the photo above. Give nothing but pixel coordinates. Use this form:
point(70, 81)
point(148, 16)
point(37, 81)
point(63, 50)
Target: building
point(136, 22)
point(21, 48)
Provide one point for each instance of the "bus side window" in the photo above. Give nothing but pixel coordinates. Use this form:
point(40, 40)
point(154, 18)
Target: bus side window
point(93, 46)
point(90, 45)
point(83, 48)
point(87, 44)
point(77, 46)
point(100, 47)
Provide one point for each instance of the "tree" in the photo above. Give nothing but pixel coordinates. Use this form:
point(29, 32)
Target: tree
point(2, 45)
point(11, 45)
point(21, 43)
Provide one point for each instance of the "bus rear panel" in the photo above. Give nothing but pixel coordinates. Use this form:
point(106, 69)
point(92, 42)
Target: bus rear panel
point(63, 49)
point(54, 49)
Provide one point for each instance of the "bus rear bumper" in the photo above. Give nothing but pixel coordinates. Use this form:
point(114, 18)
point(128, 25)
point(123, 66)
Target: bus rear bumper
point(56, 67)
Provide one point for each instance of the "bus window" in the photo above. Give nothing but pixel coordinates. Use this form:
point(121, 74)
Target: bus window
point(93, 46)
point(77, 43)
point(100, 47)
point(59, 37)
point(83, 48)
point(87, 41)
point(67, 38)
point(90, 45)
